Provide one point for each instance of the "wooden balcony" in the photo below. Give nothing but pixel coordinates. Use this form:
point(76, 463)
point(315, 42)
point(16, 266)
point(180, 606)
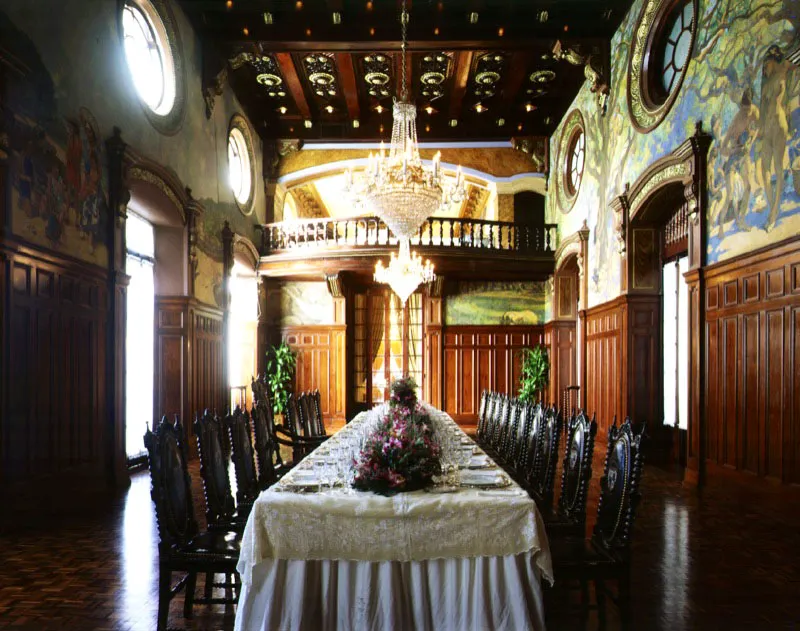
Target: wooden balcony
point(464, 248)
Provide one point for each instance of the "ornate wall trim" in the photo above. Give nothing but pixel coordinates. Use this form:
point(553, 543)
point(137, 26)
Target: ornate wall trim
point(141, 169)
point(244, 246)
point(573, 123)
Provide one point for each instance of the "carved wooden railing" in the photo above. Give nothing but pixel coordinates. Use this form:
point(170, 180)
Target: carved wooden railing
point(438, 232)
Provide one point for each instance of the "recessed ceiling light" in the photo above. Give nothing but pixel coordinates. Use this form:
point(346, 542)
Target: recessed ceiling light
point(480, 108)
point(473, 17)
point(566, 28)
point(369, 6)
point(246, 31)
point(379, 108)
point(329, 109)
point(501, 31)
point(381, 129)
point(372, 32)
point(307, 124)
point(429, 110)
point(298, 5)
point(267, 17)
point(427, 128)
point(229, 4)
point(356, 124)
point(308, 32)
point(519, 127)
point(336, 17)
point(282, 109)
point(436, 31)
point(453, 122)
point(543, 15)
point(529, 107)
point(501, 122)
point(440, 6)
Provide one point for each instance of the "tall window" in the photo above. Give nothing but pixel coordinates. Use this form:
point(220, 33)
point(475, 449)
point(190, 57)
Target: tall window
point(388, 343)
point(139, 339)
point(149, 57)
point(242, 334)
point(676, 343)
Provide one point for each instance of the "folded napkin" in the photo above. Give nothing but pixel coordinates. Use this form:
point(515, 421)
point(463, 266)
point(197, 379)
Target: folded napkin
point(484, 477)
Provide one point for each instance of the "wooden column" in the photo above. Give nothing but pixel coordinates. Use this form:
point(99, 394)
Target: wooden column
point(227, 268)
point(119, 197)
point(583, 286)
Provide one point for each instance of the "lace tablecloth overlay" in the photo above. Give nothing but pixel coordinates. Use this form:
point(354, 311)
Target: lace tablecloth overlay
point(363, 526)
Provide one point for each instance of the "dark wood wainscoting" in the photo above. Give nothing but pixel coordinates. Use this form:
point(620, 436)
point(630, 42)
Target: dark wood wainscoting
point(623, 360)
point(482, 357)
point(53, 412)
point(559, 337)
point(320, 364)
point(753, 362)
point(189, 360)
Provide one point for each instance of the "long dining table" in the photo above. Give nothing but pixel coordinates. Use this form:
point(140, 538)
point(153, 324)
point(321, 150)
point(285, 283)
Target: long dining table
point(325, 557)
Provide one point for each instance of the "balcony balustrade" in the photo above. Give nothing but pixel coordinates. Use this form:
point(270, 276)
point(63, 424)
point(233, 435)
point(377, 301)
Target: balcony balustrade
point(440, 233)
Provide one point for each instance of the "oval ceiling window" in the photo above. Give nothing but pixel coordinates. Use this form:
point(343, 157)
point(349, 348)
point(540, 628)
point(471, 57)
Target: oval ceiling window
point(240, 164)
point(151, 50)
point(661, 51)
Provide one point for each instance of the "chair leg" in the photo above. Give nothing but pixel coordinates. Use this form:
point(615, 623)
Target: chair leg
point(164, 585)
point(209, 585)
point(624, 601)
point(600, 596)
point(188, 600)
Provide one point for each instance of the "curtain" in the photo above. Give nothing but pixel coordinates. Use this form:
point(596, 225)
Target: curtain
point(415, 336)
point(376, 326)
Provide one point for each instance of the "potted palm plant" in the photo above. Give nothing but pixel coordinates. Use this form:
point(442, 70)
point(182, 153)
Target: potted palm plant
point(281, 363)
point(535, 373)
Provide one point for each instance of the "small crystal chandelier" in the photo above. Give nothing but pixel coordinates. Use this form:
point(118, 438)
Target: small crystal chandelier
point(405, 273)
point(398, 187)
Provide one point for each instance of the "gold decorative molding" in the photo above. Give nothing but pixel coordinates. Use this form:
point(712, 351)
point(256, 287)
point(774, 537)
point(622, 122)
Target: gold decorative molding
point(574, 121)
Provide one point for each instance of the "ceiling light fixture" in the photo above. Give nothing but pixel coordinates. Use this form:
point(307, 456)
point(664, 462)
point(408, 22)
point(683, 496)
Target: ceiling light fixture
point(453, 122)
point(329, 109)
point(403, 191)
point(429, 110)
point(356, 124)
point(246, 31)
point(379, 108)
point(501, 122)
point(267, 17)
point(480, 107)
point(473, 17)
point(282, 109)
point(501, 31)
point(529, 107)
point(308, 124)
point(337, 18)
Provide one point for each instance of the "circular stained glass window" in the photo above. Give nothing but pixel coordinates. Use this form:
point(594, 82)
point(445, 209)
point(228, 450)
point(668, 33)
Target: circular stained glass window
point(675, 45)
point(575, 162)
point(239, 166)
point(149, 56)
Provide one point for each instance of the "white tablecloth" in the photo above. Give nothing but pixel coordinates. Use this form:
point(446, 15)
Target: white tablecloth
point(332, 560)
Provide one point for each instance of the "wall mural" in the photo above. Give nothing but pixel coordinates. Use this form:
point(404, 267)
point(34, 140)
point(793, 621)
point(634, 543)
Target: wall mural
point(208, 280)
point(745, 91)
point(498, 303)
point(299, 303)
point(57, 164)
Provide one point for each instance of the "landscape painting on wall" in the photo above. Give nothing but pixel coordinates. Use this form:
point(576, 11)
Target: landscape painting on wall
point(496, 303)
point(299, 303)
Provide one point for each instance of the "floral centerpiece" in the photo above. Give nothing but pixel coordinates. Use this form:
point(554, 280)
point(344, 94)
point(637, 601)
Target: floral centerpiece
point(401, 454)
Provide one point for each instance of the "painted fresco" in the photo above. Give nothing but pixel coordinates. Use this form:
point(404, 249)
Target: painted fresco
point(57, 164)
point(208, 280)
point(747, 95)
point(299, 303)
point(499, 303)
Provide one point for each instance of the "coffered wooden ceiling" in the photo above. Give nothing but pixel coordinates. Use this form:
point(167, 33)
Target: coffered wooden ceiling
point(477, 69)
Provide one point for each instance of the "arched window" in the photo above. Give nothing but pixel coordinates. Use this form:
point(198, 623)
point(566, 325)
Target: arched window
point(149, 56)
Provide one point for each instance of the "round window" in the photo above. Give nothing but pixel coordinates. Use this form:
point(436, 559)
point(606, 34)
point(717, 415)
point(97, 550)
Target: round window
point(575, 162)
point(661, 50)
point(240, 164)
point(151, 50)
point(571, 160)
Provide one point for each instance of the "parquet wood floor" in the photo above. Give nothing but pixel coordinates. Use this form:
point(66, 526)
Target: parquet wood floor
point(728, 558)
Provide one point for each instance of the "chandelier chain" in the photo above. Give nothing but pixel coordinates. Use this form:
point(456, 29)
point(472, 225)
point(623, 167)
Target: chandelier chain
point(403, 43)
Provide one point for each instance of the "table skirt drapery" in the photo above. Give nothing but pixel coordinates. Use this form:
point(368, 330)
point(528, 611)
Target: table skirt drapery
point(498, 593)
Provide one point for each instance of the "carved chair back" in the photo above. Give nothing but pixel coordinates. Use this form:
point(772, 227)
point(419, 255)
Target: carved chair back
point(547, 455)
point(619, 490)
point(316, 406)
point(576, 474)
point(502, 420)
point(521, 435)
point(171, 488)
point(292, 418)
point(213, 468)
point(479, 431)
point(242, 454)
point(305, 409)
point(507, 445)
point(531, 446)
point(490, 418)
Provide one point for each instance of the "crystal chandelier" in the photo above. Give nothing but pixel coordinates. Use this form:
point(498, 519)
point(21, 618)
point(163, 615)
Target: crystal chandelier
point(398, 187)
point(405, 273)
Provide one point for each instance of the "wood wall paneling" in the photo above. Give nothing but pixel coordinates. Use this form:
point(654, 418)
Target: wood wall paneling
point(482, 357)
point(560, 339)
point(321, 358)
point(752, 421)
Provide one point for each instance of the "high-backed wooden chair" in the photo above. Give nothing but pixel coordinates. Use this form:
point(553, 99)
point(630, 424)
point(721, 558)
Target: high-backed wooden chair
point(238, 424)
point(293, 435)
point(605, 558)
point(182, 547)
point(508, 438)
point(543, 471)
point(524, 425)
point(570, 517)
point(319, 422)
point(481, 427)
point(271, 466)
point(221, 512)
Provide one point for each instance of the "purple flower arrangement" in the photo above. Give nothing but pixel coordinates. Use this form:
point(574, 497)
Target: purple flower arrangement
point(404, 393)
point(401, 454)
